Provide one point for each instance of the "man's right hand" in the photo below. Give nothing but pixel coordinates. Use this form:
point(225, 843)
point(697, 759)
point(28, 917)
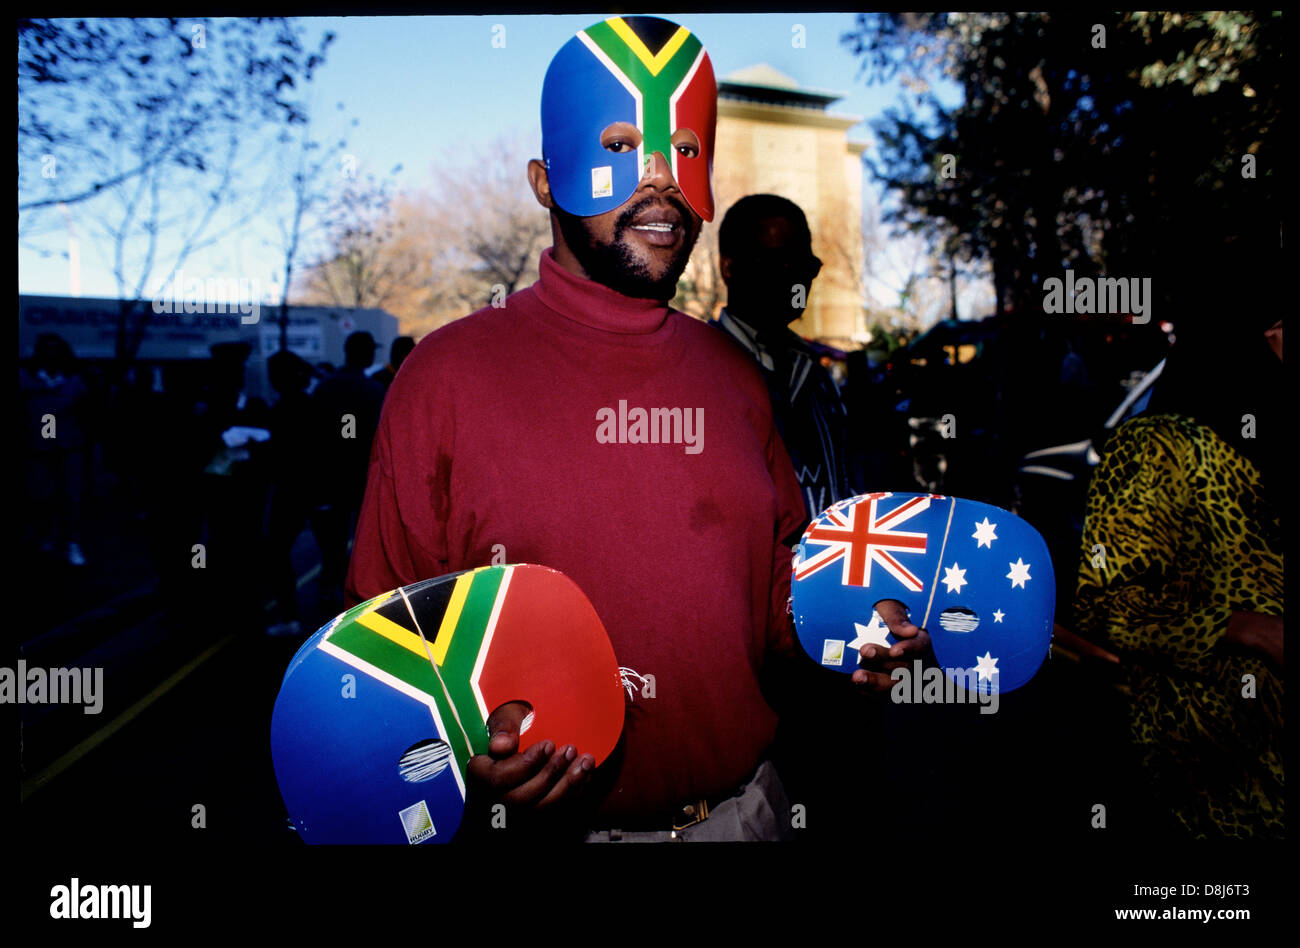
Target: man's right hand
point(878, 662)
point(540, 777)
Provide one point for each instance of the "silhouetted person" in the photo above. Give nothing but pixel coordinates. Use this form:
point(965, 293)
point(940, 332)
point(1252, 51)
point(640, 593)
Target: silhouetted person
point(132, 444)
point(397, 353)
point(233, 428)
point(162, 460)
point(348, 404)
point(295, 474)
point(320, 373)
point(766, 259)
point(55, 401)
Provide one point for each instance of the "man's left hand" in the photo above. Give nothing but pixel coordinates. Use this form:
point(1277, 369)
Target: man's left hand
point(877, 662)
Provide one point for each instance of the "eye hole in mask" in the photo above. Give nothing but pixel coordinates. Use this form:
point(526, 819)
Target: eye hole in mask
point(959, 619)
point(620, 137)
point(687, 143)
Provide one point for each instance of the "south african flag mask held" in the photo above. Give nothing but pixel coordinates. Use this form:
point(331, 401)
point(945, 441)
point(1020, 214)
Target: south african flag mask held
point(649, 73)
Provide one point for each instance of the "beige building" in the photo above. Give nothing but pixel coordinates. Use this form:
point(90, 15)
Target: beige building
point(776, 137)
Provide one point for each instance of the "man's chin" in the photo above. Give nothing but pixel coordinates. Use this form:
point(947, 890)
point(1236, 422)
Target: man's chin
point(621, 267)
point(632, 278)
point(654, 279)
point(641, 285)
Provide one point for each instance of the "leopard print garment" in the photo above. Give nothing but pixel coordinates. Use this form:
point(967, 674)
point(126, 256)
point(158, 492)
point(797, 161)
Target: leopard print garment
point(1188, 538)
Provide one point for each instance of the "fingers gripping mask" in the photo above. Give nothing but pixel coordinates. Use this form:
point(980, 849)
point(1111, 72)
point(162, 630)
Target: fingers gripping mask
point(381, 710)
point(977, 578)
point(649, 73)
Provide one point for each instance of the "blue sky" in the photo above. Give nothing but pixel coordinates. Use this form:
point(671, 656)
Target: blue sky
point(426, 87)
point(440, 79)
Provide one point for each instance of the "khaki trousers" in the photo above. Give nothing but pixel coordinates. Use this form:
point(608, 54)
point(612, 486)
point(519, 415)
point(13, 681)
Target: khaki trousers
point(758, 812)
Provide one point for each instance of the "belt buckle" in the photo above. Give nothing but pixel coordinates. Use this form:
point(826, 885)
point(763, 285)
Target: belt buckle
point(693, 813)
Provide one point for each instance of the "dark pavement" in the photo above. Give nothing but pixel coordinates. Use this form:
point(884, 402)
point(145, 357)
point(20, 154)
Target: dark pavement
point(186, 701)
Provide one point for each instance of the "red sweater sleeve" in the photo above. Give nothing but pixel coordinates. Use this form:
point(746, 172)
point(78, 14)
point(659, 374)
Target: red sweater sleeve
point(400, 538)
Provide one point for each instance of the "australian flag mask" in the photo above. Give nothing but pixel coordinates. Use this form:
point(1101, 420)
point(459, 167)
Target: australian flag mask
point(977, 578)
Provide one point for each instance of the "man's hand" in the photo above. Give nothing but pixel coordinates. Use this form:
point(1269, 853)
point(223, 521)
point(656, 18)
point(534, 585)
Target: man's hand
point(538, 778)
point(877, 662)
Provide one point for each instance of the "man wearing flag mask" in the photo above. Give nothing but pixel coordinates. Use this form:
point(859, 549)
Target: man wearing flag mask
point(586, 426)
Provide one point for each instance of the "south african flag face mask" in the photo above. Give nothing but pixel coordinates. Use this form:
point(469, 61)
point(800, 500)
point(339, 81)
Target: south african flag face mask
point(643, 71)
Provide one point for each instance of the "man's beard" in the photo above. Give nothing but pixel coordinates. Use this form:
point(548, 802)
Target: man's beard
point(614, 265)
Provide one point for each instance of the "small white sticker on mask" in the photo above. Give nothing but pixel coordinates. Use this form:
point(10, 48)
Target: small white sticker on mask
point(602, 181)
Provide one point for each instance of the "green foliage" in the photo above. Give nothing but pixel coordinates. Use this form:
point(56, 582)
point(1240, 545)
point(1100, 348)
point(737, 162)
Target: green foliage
point(1222, 43)
point(888, 339)
point(1120, 159)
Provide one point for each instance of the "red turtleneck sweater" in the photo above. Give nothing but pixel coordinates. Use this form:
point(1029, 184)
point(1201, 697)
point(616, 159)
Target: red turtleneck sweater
point(489, 436)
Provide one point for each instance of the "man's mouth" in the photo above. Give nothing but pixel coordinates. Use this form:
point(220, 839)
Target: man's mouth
point(661, 227)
